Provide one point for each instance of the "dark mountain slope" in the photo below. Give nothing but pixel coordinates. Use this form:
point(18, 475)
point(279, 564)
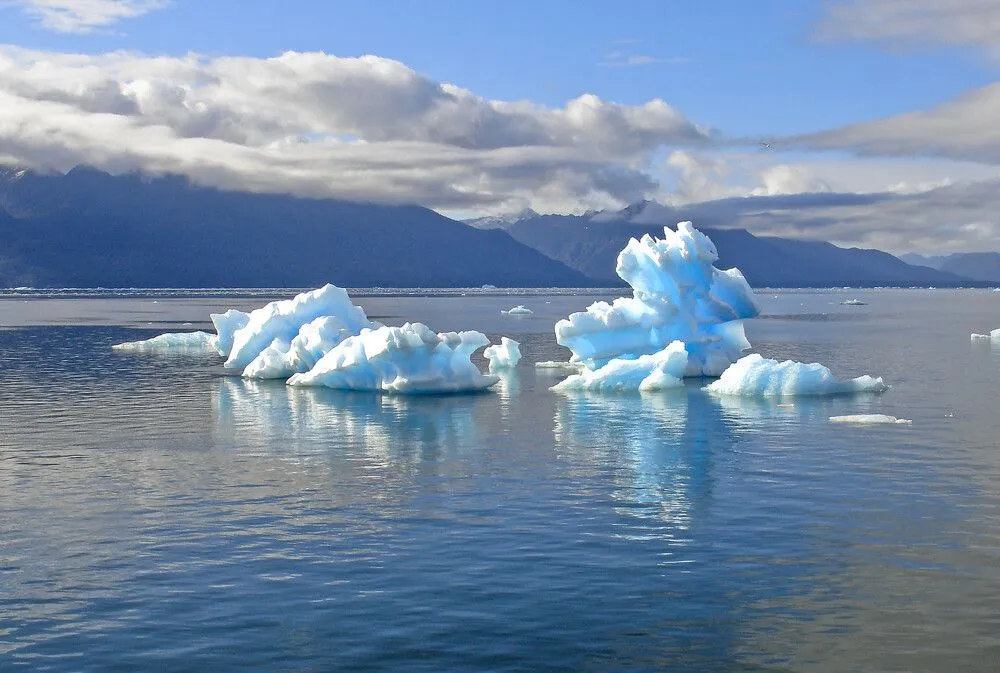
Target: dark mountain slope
point(89, 229)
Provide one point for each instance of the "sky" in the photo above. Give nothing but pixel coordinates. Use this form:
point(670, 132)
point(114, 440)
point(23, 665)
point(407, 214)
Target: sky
point(879, 115)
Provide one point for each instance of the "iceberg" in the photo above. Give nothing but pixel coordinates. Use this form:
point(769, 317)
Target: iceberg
point(992, 336)
point(504, 355)
point(409, 359)
point(319, 338)
point(757, 376)
point(315, 339)
point(657, 371)
point(172, 343)
point(520, 309)
point(870, 419)
point(678, 295)
point(226, 325)
point(282, 320)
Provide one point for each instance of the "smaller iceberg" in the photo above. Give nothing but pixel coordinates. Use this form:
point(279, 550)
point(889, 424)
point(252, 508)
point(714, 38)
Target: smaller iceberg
point(992, 336)
point(504, 355)
point(853, 302)
point(658, 371)
point(176, 342)
point(410, 359)
point(520, 309)
point(754, 375)
point(870, 419)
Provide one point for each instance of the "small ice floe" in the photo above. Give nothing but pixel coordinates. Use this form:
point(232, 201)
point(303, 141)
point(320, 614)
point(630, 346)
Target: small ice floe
point(757, 376)
point(853, 302)
point(870, 419)
point(555, 364)
point(172, 343)
point(504, 355)
point(518, 310)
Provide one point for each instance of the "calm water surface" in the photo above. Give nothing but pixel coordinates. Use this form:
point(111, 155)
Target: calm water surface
point(158, 514)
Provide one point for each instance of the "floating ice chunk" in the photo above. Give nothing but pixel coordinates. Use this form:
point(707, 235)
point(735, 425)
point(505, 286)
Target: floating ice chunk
point(658, 371)
point(553, 364)
point(172, 342)
point(226, 325)
point(409, 359)
point(677, 295)
point(504, 355)
point(979, 337)
point(754, 375)
point(870, 419)
point(315, 339)
point(283, 319)
point(520, 309)
point(853, 302)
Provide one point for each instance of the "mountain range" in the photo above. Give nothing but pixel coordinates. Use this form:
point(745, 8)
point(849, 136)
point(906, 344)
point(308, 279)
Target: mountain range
point(590, 243)
point(984, 266)
point(91, 229)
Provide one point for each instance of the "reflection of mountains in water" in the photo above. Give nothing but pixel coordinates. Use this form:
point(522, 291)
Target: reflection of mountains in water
point(270, 418)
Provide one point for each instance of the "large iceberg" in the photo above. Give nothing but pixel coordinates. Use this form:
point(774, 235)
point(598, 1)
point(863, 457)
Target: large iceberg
point(657, 371)
point(282, 320)
point(315, 339)
point(758, 376)
point(408, 359)
point(678, 295)
point(320, 338)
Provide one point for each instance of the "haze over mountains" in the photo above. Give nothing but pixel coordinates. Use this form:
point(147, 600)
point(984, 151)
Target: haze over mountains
point(91, 229)
point(984, 266)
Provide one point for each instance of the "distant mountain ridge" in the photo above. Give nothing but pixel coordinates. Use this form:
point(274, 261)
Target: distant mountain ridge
point(983, 266)
point(91, 229)
point(590, 244)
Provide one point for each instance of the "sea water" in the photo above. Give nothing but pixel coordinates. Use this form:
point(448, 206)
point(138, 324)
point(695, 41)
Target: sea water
point(158, 513)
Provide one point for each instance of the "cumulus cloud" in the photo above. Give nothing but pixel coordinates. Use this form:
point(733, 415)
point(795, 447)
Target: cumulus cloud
point(789, 179)
point(314, 124)
point(914, 22)
point(83, 16)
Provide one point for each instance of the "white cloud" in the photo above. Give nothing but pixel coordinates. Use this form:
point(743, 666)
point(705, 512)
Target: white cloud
point(789, 179)
point(625, 56)
point(314, 124)
point(963, 129)
point(83, 16)
point(914, 22)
